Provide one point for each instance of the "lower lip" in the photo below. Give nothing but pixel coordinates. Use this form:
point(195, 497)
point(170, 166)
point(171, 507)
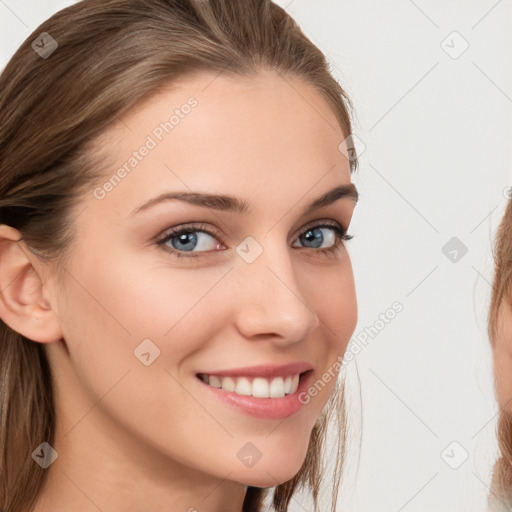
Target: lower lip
point(264, 408)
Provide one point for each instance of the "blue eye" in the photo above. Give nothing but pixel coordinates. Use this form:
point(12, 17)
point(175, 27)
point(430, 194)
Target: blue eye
point(185, 239)
point(337, 236)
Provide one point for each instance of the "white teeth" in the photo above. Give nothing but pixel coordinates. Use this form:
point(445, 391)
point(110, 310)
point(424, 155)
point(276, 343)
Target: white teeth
point(213, 381)
point(228, 384)
point(277, 388)
point(260, 387)
point(243, 386)
point(295, 383)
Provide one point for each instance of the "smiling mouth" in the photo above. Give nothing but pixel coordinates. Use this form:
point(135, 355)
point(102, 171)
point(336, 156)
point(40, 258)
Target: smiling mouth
point(258, 387)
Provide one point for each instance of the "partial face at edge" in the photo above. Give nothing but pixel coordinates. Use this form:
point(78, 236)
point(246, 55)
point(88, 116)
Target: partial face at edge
point(502, 356)
point(274, 147)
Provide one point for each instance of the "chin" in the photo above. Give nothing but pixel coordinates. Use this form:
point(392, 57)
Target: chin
point(269, 473)
point(263, 479)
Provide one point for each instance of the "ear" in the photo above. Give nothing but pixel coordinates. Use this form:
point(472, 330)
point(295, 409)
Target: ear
point(24, 306)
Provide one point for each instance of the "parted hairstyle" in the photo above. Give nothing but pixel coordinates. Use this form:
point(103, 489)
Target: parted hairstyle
point(111, 56)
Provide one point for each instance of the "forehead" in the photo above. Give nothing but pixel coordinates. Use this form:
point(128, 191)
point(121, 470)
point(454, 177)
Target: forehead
point(210, 132)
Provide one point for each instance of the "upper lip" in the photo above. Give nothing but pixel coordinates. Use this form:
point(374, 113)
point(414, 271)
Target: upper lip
point(264, 370)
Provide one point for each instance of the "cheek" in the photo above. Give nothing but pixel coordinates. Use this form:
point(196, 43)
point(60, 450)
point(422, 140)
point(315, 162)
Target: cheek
point(332, 295)
point(147, 320)
point(503, 375)
point(333, 298)
point(138, 297)
point(502, 357)
point(113, 305)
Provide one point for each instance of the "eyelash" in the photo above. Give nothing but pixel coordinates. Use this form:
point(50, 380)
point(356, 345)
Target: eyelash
point(340, 233)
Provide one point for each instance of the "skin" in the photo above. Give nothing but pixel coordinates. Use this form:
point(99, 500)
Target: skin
point(136, 437)
point(502, 357)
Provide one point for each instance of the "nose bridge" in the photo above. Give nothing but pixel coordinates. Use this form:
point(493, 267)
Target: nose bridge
point(270, 300)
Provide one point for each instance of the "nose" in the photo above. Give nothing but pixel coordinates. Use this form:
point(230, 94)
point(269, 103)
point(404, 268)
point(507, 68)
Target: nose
point(269, 298)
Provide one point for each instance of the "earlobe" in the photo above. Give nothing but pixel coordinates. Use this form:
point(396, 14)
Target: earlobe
point(23, 304)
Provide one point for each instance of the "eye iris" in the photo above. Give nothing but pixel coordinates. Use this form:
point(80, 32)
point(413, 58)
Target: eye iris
point(183, 239)
point(319, 236)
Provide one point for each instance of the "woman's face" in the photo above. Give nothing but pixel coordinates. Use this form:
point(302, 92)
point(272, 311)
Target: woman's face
point(142, 317)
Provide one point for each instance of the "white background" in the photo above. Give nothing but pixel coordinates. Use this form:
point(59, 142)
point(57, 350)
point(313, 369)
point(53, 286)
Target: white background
point(436, 133)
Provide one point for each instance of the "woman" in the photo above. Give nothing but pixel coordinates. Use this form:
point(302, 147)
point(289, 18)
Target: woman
point(176, 291)
point(500, 331)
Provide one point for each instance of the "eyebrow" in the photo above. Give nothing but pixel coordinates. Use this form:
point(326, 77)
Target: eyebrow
point(233, 204)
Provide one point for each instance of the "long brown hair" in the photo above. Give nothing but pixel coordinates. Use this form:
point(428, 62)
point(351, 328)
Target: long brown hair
point(501, 295)
point(110, 56)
